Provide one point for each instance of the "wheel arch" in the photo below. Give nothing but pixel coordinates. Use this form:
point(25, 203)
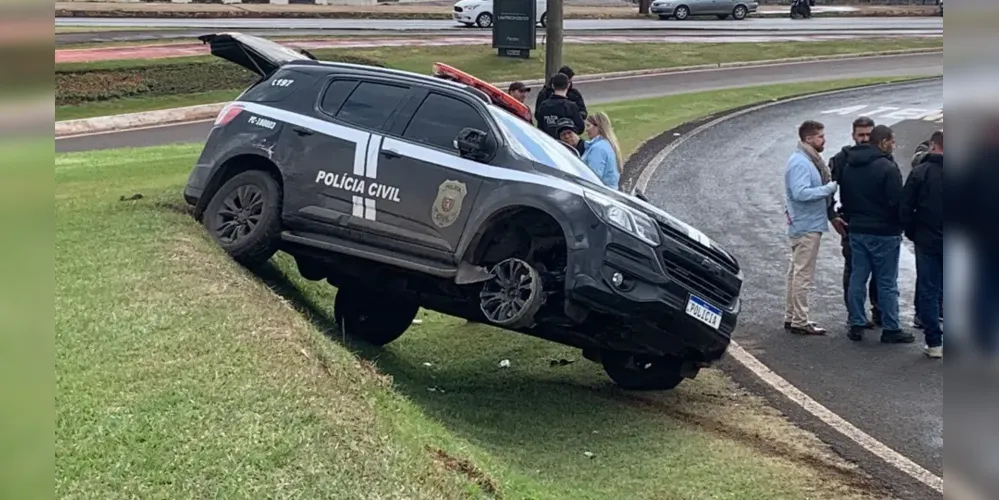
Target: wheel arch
point(232, 166)
point(473, 248)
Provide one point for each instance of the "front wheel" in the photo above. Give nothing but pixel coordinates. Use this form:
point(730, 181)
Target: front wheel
point(639, 372)
point(681, 13)
point(244, 217)
point(485, 20)
point(740, 12)
point(372, 317)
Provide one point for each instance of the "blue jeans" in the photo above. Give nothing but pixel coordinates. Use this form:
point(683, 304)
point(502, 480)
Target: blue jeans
point(875, 256)
point(929, 290)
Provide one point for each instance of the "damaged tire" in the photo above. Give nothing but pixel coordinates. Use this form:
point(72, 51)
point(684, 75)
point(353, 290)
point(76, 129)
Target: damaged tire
point(374, 318)
point(513, 296)
point(640, 372)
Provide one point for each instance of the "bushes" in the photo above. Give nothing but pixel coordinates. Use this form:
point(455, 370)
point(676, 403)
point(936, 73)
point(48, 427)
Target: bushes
point(79, 86)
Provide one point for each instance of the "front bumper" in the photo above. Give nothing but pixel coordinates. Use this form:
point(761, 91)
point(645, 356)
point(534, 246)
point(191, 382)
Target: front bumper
point(464, 17)
point(661, 10)
point(648, 311)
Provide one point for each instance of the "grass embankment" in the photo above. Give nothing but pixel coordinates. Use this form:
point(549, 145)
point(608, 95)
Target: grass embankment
point(105, 88)
point(179, 374)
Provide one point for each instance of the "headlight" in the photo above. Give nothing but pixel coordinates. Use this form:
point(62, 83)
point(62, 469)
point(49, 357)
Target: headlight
point(471, 7)
point(630, 221)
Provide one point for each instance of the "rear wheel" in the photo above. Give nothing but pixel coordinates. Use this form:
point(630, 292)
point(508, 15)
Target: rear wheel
point(544, 20)
point(244, 217)
point(485, 20)
point(739, 13)
point(372, 317)
point(640, 372)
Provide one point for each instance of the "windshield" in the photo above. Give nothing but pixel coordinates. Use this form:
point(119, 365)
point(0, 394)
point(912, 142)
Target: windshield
point(536, 145)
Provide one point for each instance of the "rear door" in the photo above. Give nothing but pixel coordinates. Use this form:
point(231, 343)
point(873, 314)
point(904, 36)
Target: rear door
point(342, 189)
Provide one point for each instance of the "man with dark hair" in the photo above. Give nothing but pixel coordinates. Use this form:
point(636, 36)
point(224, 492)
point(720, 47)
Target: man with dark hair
point(558, 107)
point(871, 193)
point(519, 91)
point(922, 150)
point(921, 216)
point(807, 186)
point(862, 128)
point(547, 91)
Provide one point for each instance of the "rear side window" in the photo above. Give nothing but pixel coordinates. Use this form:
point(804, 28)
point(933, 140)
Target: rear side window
point(335, 95)
point(371, 104)
point(440, 118)
point(278, 86)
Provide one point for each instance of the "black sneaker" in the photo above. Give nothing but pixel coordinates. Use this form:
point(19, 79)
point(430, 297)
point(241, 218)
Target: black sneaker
point(897, 337)
point(917, 323)
point(856, 333)
point(876, 318)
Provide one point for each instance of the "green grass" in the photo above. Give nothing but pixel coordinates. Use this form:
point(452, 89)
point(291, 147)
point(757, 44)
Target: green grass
point(481, 60)
point(181, 375)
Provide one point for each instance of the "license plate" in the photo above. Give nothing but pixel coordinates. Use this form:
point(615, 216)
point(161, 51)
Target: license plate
point(706, 313)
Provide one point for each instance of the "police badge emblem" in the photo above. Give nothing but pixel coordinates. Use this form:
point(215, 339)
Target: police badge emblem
point(447, 205)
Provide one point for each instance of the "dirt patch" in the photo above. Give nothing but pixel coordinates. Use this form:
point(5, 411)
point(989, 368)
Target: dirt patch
point(639, 161)
point(467, 468)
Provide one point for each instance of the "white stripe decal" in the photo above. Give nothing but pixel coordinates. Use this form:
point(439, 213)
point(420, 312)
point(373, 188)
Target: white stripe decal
point(358, 207)
point(411, 150)
point(359, 149)
point(370, 210)
point(374, 149)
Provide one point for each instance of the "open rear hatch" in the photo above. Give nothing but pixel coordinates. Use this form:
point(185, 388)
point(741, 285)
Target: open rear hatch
point(256, 54)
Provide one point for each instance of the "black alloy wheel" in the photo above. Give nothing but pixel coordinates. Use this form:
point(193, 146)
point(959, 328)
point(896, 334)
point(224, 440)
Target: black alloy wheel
point(514, 294)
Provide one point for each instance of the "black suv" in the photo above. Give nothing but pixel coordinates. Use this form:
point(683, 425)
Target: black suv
point(408, 191)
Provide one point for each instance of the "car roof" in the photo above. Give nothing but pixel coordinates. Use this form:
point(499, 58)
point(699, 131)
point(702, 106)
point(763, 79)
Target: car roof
point(418, 78)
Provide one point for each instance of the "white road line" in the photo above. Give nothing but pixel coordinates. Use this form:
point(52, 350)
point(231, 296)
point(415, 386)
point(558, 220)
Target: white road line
point(866, 441)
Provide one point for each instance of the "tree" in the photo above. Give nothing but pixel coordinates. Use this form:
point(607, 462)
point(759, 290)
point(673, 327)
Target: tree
point(643, 6)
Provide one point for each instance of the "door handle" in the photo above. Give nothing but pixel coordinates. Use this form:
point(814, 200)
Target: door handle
point(302, 131)
point(390, 153)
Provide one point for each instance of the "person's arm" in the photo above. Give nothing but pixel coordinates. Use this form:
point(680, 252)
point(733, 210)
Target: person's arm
point(578, 99)
point(537, 115)
point(605, 167)
point(910, 199)
point(893, 187)
point(798, 180)
point(577, 117)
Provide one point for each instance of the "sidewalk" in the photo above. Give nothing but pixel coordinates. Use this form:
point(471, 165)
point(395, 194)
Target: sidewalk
point(411, 11)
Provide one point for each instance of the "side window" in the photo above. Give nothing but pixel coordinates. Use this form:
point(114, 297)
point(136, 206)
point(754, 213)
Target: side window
point(371, 104)
point(336, 93)
point(439, 119)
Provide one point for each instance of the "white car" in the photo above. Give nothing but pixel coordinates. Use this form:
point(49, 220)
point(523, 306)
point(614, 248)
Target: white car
point(480, 13)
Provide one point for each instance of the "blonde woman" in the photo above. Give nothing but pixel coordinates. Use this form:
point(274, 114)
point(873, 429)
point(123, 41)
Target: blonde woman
point(602, 153)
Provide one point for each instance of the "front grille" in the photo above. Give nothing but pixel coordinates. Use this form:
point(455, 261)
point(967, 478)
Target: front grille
point(695, 281)
point(693, 245)
point(458, 9)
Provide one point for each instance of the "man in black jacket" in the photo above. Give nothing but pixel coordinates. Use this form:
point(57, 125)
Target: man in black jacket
point(921, 215)
point(558, 107)
point(573, 95)
point(862, 128)
point(871, 191)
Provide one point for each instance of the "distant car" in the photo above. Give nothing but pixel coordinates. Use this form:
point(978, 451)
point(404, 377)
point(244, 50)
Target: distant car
point(480, 12)
point(682, 9)
point(406, 191)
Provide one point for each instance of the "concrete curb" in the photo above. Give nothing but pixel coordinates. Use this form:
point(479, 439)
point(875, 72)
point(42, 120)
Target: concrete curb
point(114, 123)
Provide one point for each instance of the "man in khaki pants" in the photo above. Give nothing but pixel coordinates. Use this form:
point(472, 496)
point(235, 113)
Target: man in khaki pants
point(807, 186)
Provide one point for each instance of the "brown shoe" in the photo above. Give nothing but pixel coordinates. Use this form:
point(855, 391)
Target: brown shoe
point(809, 329)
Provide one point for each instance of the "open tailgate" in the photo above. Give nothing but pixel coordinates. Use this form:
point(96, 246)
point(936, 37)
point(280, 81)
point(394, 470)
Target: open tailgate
point(256, 54)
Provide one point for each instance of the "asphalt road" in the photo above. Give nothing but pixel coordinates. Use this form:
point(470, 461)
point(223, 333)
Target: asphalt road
point(814, 25)
point(603, 91)
point(728, 182)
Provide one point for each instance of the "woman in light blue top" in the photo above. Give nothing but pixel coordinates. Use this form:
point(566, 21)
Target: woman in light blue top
point(602, 153)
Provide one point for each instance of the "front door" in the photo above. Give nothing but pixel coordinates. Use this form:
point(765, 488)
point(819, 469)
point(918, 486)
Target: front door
point(437, 188)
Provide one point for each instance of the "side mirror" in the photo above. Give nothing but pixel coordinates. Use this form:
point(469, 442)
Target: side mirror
point(473, 144)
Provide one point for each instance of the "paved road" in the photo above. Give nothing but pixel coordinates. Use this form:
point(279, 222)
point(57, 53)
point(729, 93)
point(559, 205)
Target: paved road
point(890, 392)
point(660, 35)
point(604, 91)
point(814, 25)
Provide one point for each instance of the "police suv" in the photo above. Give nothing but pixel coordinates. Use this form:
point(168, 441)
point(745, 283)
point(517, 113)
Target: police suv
point(408, 191)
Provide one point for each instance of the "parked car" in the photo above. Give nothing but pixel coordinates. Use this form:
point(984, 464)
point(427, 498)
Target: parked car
point(480, 12)
point(683, 9)
point(407, 191)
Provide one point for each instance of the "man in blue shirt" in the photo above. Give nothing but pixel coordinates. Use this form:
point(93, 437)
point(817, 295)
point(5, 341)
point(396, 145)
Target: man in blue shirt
point(808, 185)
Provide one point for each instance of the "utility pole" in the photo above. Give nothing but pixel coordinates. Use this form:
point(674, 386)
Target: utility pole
point(553, 38)
point(643, 6)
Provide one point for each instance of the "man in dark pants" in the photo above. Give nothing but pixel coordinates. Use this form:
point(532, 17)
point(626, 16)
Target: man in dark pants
point(922, 150)
point(862, 127)
point(921, 215)
point(871, 192)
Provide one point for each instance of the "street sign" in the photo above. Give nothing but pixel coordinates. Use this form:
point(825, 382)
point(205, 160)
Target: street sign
point(515, 27)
